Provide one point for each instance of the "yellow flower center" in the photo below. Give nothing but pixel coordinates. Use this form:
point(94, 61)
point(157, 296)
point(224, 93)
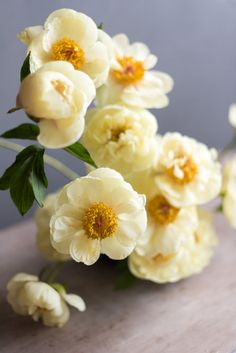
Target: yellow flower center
point(115, 133)
point(188, 170)
point(161, 211)
point(67, 49)
point(131, 71)
point(99, 221)
point(161, 259)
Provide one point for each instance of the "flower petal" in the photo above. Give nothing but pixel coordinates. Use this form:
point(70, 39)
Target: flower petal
point(83, 249)
point(75, 300)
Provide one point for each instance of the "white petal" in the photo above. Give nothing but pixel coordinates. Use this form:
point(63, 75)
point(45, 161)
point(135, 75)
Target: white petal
point(150, 62)
point(97, 63)
point(84, 84)
point(71, 24)
point(29, 33)
point(121, 44)
point(60, 133)
point(75, 300)
point(232, 115)
point(114, 249)
point(83, 249)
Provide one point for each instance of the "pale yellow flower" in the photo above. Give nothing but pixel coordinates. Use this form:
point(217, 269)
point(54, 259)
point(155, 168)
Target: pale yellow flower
point(69, 36)
point(168, 227)
point(187, 172)
point(131, 79)
point(232, 115)
point(121, 138)
point(229, 191)
point(42, 219)
point(58, 96)
point(98, 213)
point(30, 297)
point(194, 254)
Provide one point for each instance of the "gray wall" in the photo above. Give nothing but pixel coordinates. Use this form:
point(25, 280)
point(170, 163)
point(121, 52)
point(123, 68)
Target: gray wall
point(195, 41)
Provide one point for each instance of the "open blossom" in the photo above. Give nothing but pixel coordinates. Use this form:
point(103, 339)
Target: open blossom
point(187, 172)
point(131, 79)
point(229, 191)
point(58, 96)
point(121, 138)
point(168, 227)
point(69, 36)
point(42, 219)
point(193, 255)
point(30, 297)
point(98, 213)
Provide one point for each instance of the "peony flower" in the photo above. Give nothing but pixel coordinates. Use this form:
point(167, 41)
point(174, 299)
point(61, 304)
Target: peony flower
point(121, 138)
point(130, 78)
point(167, 229)
point(98, 213)
point(30, 297)
point(232, 115)
point(42, 219)
point(58, 96)
point(187, 172)
point(229, 191)
point(194, 254)
point(68, 35)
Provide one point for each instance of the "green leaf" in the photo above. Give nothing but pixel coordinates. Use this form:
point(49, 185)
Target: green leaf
point(219, 209)
point(13, 110)
point(23, 132)
point(26, 179)
point(100, 26)
point(80, 152)
point(125, 278)
point(25, 69)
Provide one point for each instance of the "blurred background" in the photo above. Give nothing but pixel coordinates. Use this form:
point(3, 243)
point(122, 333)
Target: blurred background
point(195, 41)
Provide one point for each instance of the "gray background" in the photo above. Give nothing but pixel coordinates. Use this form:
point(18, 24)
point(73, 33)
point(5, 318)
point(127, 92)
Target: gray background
point(195, 41)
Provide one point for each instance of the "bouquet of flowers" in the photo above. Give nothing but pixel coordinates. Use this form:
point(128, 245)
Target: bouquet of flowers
point(139, 203)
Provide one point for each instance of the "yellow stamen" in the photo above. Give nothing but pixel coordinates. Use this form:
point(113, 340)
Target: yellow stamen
point(131, 71)
point(99, 221)
point(67, 49)
point(161, 211)
point(161, 259)
point(197, 238)
point(189, 170)
point(115, 133)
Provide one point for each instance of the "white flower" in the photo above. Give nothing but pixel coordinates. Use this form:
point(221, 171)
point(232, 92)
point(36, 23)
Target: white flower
point(194, 254)
point(99, 213)
point(130, 79)
point(28, 296)
point(229, 191)
point(167, 227)
point(121, 138)
point(58, 96)
point(232, 115)
point(187, 172)
point(69, 36)
point(42, 219)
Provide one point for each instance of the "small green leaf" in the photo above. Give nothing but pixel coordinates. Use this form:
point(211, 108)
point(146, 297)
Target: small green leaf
point(26, 178)
point(25, 69)
point(23, 132)
point(125, 278)
point(100, 26)
point(80, 152)
point(13, 110)
point(219, 209)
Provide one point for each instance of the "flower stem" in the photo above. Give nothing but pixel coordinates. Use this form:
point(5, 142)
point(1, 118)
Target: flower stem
point(49, 273)
point(59, 166)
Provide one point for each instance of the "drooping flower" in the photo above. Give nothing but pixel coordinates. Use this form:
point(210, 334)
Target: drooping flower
point(58, 96)
point(229, 191)
point(130, 78)
point(98, 213)
point(187, 172)
point(42, 219)
point(30, 297)
point(193, 255)
point(69, 36)
point(121, 138)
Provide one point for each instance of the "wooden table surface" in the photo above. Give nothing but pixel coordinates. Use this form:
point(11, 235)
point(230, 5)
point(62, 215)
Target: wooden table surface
point(197, 315)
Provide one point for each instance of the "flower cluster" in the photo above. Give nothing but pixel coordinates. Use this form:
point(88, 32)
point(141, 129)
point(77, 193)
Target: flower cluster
point(141, 198)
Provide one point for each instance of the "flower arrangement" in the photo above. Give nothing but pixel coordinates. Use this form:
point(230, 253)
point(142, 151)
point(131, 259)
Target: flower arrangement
point(140, 202)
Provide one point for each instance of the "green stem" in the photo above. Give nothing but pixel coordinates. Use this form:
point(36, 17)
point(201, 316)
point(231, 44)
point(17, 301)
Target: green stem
point(49, 273)
point(59, 166)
